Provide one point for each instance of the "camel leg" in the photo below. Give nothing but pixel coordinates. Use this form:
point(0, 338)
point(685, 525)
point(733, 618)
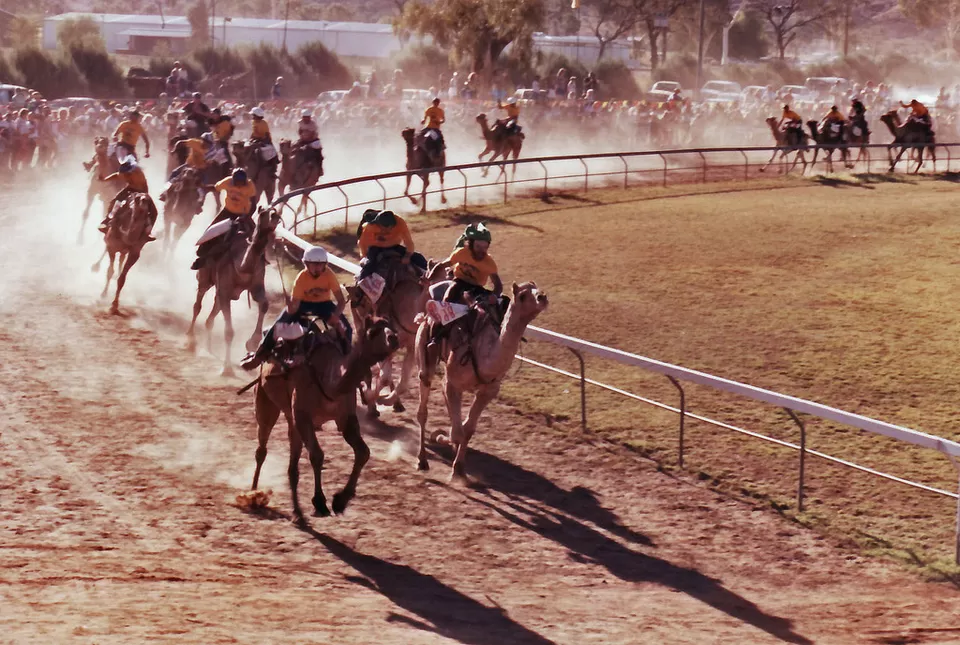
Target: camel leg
point(224, 301)
point(350, 429)
point(86, 214)
point(208, 324)
point(406, 191)
point(423, 192)
point(267, 414)
point(106, 287)
point(454, 399)
point(443, 195)
point(426, 380)
point(128, 261)
point(481, 401)
point(303, 421)
point(260, 297)
point(197, 306)
point(293, 469)
point(406, 369)
point(772, 157)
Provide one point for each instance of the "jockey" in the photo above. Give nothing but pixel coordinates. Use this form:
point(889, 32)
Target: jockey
point(198, 112)
point(834, 116)
point(260, 132)
point(127, 135)
point(386, 232)
point(790, 119)
point(919, 114)
point(858, 115)
point(237, 206)
point(309, 140)
point(136, 182)
point(433, 118)
point(316, 292)
point(222, 128)
point(197, 150)
point(513, 115)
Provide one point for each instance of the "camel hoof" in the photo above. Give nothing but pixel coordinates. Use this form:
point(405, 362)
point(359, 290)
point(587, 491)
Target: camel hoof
point(422, 465)
point(340, 501)
point(374, 413)
point(443, 200)
point(398, 407)
point(227, 372)
point(459, 473)
point(321, 510)
point(115, 309)
point(191, 345)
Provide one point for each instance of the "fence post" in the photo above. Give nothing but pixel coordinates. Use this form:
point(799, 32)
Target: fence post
point(746, 166)
point(703, 159)
point(947, 148)
point(464, 177)
point(545, 176)
point(664, 160)
point(346, 209)
point(503, 172)
point(586, 175)
point(384, 194)
point(625, 167)
point(803, 455)
point(583, 388)
point(683, 413)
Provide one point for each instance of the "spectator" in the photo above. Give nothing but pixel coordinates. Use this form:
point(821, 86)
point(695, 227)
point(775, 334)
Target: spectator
point(277, 90)
point(452, 91)
point(572, 93)
point(184, 78)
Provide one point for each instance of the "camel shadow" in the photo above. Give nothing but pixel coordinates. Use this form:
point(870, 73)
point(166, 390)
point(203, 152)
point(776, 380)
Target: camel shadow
point(471, 217)
point(589, 546)
point(882, 178)
point(838, 182)
point(442, 609)
point(953, 177)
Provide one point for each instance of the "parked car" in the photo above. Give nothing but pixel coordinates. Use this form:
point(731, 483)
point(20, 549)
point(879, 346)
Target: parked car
point(725, 91)
point(823, 86)
point(801, 94)
point(752, 94)
point(526, 96)
point(331, 96)
point(662, 91)
point(7, 91)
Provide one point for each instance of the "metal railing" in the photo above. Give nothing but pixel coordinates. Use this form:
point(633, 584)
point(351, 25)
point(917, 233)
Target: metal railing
point(676, 374)
point(641, 168)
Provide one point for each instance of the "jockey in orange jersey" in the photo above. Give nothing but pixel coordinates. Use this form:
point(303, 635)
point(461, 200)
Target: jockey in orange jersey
point(433, 118)
point(919, 115)
point(127, 135)
point(136, 182)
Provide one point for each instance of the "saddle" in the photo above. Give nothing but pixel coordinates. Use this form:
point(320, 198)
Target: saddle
point(296, 342)
point(430, 140)
point(388, 272)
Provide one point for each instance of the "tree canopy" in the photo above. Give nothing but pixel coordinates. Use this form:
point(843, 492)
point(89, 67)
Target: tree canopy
point(80, 32)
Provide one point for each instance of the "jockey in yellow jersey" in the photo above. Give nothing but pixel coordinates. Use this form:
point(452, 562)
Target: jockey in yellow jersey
point(833, 117)
point(136, 182)
point(316, 292)
point(222, 128)
point(385, 231)
point(791, 124)
point(511, 123)
point(260, 130)
point(433, 118)
point(261, 142)
point(127, 135)
point(238, 207)
point(197, 151)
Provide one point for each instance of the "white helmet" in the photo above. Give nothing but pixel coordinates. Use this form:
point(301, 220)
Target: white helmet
point(512, 100)
point(257, 111)
point(306, 113)
point(315, 254)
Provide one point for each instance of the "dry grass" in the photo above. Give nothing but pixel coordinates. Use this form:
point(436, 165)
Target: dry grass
point(837, 290)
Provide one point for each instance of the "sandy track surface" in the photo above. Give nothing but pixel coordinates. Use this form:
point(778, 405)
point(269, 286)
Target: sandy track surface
point(121, 457)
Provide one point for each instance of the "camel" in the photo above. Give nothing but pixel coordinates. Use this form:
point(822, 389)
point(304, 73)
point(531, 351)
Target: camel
point(295, 173)
point(500, 144)
point(475, 362)
point(322, 388)
point(262, 173)
point(402, 301)
point(127, 233)
point(906, 137)
point(785, 147)
point(102, 165)
point(829, 140)
point(858, 134)
point(421, 160)
point(180, 207)
point(240, 268)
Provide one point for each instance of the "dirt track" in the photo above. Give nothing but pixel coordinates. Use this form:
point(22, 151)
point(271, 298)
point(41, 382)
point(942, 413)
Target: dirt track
point(121, 457)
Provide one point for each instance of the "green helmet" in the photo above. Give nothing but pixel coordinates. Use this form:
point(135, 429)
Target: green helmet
point(476, 232)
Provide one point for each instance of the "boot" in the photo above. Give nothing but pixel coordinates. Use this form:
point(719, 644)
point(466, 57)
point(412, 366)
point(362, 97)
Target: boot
point(253, 360)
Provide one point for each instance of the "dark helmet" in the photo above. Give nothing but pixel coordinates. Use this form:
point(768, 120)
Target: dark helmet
point(197, 95)
point(475, 233)
point(386, 219)
point(834, 108)
point(786, 107)
point(239, 176)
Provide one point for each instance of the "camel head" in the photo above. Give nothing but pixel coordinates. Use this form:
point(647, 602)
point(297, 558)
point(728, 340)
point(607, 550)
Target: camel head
point(407, 134)
point(482, 119)
point(191, 179)
point(267, 221)
point(891, 118)
point(285, 146)
point(528, 301)
point(100, 145)
point(238, 150)
point(377, 340)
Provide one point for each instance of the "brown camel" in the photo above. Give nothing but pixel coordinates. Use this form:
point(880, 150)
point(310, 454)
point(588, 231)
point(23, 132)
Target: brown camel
point(403, 298)
point(101, 165)
point(858, 135)
point(181, 206)
point(295, 171)
point(499, 143)
point(829, 138)
point(910, 138)
point(262, 173)
point(127, 233)
point(476, 362)
point(420, 159)
point(240, 268)
point(322, 388)
point(785, 147)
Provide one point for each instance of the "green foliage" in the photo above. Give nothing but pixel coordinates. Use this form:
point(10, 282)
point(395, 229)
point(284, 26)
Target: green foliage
point(616, 81)
point(199, 18)
point(218, 60)
point(748, 40)
point(321, 69)
point(422, 65)
point(8, 73)
point(80, 32)
point(52, 74)
point(23, 32)
point(475, 31)
point(100, 72)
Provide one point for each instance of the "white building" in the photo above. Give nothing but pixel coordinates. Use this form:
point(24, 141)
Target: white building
point(141, 34)
point(586, 49)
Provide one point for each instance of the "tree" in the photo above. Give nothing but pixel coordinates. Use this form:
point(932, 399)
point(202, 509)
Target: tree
point(560, 19)
point(80, 32)
point(941, 15)
point(22, 32)
point(476, 31)
point(610, 20)
point(788, 18)
point(651, 11)
point(199, 18)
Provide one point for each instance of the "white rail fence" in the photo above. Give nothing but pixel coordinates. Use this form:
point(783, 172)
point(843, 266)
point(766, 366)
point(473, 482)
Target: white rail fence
point(676, 374)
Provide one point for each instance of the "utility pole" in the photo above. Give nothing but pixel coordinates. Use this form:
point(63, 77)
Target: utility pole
point(213, 22)
point(286, 17)
point(846, 29)
point(700, 50)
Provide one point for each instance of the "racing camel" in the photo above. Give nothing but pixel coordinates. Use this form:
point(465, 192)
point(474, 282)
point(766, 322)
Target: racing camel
point(239, 267)
point(127, 233)
point(499, 143)
point(828, 139)
point(909, 138)
point(183, 200)
point(424, 162)
point(101, 165)
point(320, 388)
point(262, 173)
point(474, 362)
point(796, 143)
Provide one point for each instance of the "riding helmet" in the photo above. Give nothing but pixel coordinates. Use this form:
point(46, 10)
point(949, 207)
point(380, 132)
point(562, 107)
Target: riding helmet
point(315, 254)
point(386, 219)
point(239, 176)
